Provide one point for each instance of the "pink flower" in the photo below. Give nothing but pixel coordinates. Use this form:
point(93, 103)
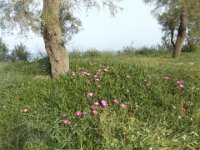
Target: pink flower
point(85, 74)
point(123, 106)
point(96, 103)
point(181, 86)
point(95, 76)
point(97, 79)
point(90, 95)
point(78, 113)
point(66, 121)
point(25, 110)
point(104, 103)
point(178, 82)
point(95, 112)
point(166, 78)
point(116, 101)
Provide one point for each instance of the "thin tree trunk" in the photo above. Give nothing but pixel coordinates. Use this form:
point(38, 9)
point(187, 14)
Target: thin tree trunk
point(51, 31)
point(181, 33)
point(172, 38)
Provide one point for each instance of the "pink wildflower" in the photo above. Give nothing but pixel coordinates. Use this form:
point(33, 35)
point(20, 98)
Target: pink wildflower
point(95, 76)
point(178, 82)
point(104, 103)
point(95, 112)
point(78, 113)
point(97, 79)
point(85, 74)
point(181, 86)
point(25, 110)
point(90, 95)
point(166, 78)
point(96, 103)
point(66, 121)
point(116, 101)
point(123, 106)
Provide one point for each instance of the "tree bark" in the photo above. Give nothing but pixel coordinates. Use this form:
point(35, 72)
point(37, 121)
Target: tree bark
point(181, 33)
point(172, 38)
point(51, 31)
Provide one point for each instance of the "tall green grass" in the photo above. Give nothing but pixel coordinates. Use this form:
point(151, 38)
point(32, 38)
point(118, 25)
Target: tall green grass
point(159, 115)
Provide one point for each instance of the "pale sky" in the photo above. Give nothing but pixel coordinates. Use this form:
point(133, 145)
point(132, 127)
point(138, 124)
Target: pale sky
point(102, 31)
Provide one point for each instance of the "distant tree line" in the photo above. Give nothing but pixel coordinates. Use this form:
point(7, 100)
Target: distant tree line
point(20, 53)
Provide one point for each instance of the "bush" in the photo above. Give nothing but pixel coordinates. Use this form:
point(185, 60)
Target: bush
point(20, 53)
point(92, 53)
point(45, 65)
point(128, 50)
point(153, 50)
point(192, 47)
point(3, 51)
point(75, 53)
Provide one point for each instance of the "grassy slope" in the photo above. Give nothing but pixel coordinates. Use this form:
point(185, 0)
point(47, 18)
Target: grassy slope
point(160, 116)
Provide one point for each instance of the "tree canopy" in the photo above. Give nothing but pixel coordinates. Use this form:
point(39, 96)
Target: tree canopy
point(56, 22)
point(25, 14)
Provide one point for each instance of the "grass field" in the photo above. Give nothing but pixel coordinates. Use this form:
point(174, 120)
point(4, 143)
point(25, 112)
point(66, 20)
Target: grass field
point(151, 109)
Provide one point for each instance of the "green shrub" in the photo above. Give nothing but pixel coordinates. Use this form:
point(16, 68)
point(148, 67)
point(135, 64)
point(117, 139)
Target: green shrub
point(92, 53)
point(3, 51)
point(75, 53)
point(45, 65)
point(20, 53)
point(128, 50)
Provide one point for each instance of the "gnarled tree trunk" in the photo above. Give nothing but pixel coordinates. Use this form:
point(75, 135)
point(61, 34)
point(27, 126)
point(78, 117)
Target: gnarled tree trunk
point(51, 31)
point(181, 33)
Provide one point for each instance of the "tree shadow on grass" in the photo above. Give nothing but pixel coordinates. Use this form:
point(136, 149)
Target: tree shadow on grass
point(17, 138)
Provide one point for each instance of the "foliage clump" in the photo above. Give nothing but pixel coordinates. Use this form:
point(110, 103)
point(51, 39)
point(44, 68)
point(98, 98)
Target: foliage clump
point(20, 53)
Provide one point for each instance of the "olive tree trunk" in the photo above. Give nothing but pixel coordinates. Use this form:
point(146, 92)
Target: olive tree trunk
point(181, 33)
point(51, 31)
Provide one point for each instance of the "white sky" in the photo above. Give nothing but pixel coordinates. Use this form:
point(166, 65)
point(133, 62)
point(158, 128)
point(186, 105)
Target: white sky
point(104, 32)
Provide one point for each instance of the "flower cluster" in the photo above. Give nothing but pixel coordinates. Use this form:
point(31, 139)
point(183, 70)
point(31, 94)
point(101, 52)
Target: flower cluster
point(104, 104)
point(180, 84)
